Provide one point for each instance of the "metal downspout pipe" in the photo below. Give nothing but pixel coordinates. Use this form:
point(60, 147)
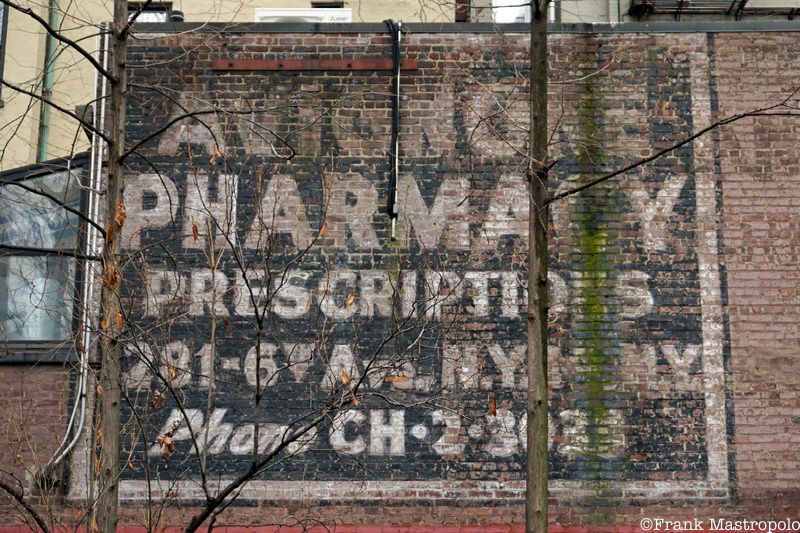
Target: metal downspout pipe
point(47, 84)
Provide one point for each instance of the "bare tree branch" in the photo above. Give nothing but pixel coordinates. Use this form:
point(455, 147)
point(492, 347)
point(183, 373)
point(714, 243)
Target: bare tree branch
point(19, 497)
point(192, 114)
point(765, 112)
point(133, 17)
point(64, 110)
point(49, 251)
point(58, 36)
point(58, 202)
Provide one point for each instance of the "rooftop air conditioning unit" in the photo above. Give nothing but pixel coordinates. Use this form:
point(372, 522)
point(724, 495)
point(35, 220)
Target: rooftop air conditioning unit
point(343, 14)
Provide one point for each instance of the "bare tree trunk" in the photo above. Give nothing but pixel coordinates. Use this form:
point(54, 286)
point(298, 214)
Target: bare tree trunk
point(536, 474)
point(107, 437)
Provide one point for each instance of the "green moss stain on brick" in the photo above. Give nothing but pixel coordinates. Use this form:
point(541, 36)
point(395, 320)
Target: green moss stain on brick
point(592, 335)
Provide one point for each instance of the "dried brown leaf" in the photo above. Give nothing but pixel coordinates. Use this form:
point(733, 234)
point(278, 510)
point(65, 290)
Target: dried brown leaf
point(217, 155)
point(323, 229)
point(167, 443)
point(120, 214)
point(157, 400)
point(111, 276)
point(118, 319)
point(351, 298)
point(104, 323)
point(99, 391)
point(195, 231)
point(345, 377)
point(493, 405)
point(228, 326)
point(173, 374)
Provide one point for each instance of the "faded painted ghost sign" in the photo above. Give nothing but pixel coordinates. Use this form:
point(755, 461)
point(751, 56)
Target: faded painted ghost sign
point(264, 290)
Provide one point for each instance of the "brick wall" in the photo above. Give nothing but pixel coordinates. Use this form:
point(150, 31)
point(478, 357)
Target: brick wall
point(33, 407)
point(759, 163)
point(674, 287)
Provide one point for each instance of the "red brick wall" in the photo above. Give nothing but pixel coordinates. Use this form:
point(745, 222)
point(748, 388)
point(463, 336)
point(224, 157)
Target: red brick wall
point(33, 408)
point(696, 388)
point(760, 164)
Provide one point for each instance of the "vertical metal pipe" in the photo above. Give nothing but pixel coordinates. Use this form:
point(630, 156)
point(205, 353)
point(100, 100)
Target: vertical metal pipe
point(47, 84)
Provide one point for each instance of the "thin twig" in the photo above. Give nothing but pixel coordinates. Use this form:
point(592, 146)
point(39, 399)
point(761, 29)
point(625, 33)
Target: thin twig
point(52, 104)
point(758, 113)
point(19, 497)
point(55, 34)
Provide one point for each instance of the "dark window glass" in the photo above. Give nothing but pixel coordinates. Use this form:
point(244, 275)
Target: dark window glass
point(38, 239)
point(153, 12)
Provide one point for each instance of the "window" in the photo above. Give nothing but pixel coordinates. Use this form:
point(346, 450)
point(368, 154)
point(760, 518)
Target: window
point(3, 29)
point(507, 11)
point(39, 271)
point(316, 14)
point(153, 12)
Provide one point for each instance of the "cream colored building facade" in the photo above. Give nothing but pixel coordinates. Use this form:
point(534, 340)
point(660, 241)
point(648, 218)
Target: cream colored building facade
point(31, 132)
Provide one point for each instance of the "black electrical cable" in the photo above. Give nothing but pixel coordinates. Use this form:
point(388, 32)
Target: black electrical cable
point(394, 30)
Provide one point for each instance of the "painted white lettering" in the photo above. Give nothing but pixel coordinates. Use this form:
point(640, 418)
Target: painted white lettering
point(205, 355)
point(214, 434)
point(451, 443)
point(243, 295)
point(655, 212)
point(185, 430)
point(507, 363)
point(162, 287)
point(632, 290)
point(291, 298)
point(338, 439)
point(341, 366)
point(218, 215)
point(176, 360)
point(393, 431)
point(281, 212)
point(501, 429)
point(476, 285)
point(265, 373)
point(460, 366)
point(151, 201)
point(510, 288)
point(353, 203)
point(207, 288)
point(376, 293)
point(191, 131)
point(409, 292)
point(338, 285)
point(299, 356)
point(442, 288)
point(508, 210)
point(140, 375)
point(447, 219)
